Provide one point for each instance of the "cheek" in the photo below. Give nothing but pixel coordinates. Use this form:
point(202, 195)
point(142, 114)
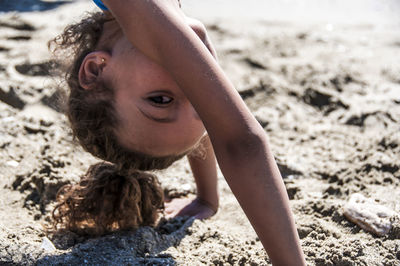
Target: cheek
point(162, 140)
point(178, 138)
point(194, 130)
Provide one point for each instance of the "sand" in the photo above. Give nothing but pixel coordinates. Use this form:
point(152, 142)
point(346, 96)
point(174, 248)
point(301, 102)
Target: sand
point(327, 95)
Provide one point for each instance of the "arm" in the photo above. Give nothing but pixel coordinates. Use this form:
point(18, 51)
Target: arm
point(204, 169)
point(158, 29)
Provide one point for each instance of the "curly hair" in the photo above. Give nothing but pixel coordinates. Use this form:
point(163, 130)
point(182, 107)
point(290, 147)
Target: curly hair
point(115, 194)
point(105, 201)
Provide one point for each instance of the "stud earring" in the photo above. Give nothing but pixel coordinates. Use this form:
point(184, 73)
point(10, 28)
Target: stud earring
point(103, 60)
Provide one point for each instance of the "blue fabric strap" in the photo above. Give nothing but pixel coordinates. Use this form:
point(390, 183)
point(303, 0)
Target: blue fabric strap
point(100, 4)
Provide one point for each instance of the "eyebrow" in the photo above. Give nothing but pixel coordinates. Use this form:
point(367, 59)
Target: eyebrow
point(158, 120)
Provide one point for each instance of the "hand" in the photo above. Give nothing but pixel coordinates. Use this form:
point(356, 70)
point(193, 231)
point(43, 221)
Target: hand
point(197, 208)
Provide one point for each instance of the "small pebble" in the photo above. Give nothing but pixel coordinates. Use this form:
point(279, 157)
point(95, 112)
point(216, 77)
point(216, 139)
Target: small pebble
point(12, 163)
point(47, 245)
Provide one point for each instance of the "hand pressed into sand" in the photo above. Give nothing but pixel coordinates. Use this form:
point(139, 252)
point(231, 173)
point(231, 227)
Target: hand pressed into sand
point(196, 208)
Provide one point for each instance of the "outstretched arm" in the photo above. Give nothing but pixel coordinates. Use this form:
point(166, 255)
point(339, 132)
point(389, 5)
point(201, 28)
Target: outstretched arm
point(159, 30)
point(204, 169)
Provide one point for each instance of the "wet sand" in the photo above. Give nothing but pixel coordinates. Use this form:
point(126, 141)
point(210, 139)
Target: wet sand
point(327, 95)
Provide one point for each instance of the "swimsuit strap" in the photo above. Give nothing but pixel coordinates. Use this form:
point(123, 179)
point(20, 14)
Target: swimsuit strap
point(100, 4)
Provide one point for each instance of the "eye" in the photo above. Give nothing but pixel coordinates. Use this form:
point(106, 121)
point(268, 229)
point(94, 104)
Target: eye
point(161, 100)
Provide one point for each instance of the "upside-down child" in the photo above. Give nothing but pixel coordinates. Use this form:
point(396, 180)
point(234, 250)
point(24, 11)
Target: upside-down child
point(145, 90)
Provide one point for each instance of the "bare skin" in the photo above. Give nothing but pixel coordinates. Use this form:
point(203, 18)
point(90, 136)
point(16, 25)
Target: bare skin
point(158, 29)
point(205, 174)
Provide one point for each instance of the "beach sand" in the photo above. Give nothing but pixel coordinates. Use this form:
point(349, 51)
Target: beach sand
point(327, 95)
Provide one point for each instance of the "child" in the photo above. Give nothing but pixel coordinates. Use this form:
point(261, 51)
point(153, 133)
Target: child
point(144, 89)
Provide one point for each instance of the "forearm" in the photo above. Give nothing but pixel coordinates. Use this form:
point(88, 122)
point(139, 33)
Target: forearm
point(204, 171)
point(257, 184)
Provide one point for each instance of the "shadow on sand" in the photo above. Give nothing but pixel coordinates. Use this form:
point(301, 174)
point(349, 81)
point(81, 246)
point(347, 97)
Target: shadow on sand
point(145, 246)
point(30, 5)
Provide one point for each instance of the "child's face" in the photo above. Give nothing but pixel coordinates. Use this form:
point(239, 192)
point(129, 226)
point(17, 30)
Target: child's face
point(156, 117)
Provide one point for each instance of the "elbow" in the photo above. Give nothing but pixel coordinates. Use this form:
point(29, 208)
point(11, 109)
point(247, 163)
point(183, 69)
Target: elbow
point(247, 146)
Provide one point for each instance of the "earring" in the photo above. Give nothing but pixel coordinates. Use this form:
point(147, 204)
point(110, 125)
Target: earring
point(103, 60)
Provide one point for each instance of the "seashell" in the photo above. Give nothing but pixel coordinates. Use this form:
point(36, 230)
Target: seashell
point(368, 215)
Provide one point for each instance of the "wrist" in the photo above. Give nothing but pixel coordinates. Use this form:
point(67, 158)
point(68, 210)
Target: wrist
point(211, 204)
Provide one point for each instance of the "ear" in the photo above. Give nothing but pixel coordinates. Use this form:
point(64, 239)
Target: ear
point(92, 67)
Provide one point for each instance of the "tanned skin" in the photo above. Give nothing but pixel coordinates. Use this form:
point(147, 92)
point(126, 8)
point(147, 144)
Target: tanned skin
point(204, 171)
point(203, 166)
point(159, 30)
